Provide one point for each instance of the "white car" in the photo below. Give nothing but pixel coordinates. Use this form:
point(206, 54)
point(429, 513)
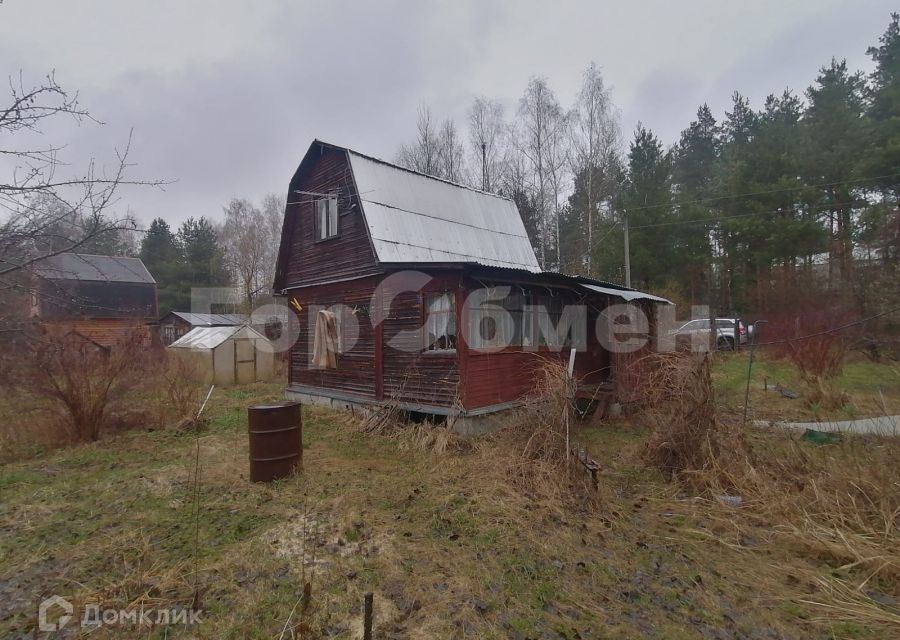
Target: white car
point(730, 332)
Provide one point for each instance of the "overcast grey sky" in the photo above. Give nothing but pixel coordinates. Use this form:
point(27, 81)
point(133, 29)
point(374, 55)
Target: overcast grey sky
point(225, 96)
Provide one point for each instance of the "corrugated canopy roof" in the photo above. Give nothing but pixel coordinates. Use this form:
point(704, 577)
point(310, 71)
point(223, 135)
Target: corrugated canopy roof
point(211, 319)
point(414, 218)
point(82, 266)
point(211, 337)
point(626, 294)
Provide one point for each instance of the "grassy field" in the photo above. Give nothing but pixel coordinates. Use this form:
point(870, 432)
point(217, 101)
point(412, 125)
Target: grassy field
point(446, 544)
point(873, 388)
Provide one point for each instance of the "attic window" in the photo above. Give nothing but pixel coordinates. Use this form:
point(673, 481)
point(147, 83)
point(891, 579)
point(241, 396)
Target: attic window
point(326, 218)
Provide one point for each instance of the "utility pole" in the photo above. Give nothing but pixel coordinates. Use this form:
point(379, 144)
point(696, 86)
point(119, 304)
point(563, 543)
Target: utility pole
point(484, 180)
point(627, 250)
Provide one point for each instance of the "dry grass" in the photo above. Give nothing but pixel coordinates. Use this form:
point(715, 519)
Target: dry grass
point(836, 504)
point(690, 443)
point(455, 540)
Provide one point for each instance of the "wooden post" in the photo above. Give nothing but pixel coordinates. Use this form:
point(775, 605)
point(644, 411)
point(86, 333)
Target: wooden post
point(367, 619)
point(378, 314)
point(307, 595)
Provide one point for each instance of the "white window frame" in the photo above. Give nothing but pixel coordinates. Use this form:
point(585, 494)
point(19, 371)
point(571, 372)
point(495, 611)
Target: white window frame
point(440, 321)
point(327, 218)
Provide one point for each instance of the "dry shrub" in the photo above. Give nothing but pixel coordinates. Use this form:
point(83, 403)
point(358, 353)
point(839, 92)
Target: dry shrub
point(533, 452)
point(689, 442)
point(819, 359)
point(182, 383)
point(837, 504)
point(529, 450)
point(77, 381)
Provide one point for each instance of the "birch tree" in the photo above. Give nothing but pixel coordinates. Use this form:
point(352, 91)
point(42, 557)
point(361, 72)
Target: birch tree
point(450, 153)
point(541, 123)
point(487, 137)
point(246, 247)
point(272, 210)
point(595, 139)
point(423, 155)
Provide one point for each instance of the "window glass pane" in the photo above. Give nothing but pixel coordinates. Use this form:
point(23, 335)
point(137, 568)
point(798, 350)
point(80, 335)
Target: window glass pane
point(497, 322)
point(321, 219)
point(440, 322)
point(332, 217)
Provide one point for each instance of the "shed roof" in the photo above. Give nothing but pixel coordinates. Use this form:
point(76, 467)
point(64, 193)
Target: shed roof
point(205, 338)
point(211, 319)
point(626, 294)
point(83, 266)
point(555, 278)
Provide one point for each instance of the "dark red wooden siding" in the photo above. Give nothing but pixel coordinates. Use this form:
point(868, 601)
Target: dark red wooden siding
point(411, 374)
point(509, 375)
point(347, 256)
point(355, 373)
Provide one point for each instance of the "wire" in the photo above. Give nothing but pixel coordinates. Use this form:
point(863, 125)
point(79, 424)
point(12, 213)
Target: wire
point(832, 330)
point(739, 215)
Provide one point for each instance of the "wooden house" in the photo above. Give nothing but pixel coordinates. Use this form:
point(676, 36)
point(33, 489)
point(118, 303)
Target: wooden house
point(400, 256)
point(102, 298)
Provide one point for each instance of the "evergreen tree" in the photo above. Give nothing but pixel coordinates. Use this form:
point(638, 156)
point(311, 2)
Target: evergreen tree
point(604, 184)
point(833, 149)
point(161, 255)
point(204, 258)
point(883, 117)
point(646, 200)
point(694, 167)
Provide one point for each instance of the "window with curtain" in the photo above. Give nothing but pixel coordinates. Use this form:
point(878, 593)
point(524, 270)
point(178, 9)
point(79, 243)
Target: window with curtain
point(440, 322)
point(326, 218)
point(498, 323)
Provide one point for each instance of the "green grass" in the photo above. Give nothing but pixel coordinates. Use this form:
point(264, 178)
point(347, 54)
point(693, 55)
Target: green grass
point(865, 382)
point(447, 549)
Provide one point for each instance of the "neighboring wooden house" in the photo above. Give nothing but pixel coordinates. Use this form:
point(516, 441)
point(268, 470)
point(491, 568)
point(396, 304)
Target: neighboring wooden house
point(355, 230)
point(175, 324)
point(103, 298)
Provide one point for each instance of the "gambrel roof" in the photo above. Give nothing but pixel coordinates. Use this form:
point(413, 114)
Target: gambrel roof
point(415, 218)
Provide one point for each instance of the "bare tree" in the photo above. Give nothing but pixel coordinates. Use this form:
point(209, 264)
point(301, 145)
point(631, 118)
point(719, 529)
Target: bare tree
point(452, 158)
point(595, 136)
point(557, 168)
point(540, 138)
point(424, 154)
point(272, 209)
point(487, 137)
point(43, 212)
point(247, 247)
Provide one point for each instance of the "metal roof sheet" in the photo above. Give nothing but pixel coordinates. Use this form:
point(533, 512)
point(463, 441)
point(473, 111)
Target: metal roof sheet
point(626, 294)
point(211, 319)
point(211, 337)
point(82, 266)
point(417, 218)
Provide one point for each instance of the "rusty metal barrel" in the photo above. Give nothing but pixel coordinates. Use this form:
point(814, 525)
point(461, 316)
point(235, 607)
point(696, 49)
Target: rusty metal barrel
point(276, 440)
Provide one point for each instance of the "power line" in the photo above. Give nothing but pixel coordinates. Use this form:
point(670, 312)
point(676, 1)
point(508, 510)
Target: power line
point(760, 193)
point(832, 330)
point(741, 215)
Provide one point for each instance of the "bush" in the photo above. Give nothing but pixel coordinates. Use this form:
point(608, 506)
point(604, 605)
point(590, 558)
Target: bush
point(819, 359)
point(77, 380)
